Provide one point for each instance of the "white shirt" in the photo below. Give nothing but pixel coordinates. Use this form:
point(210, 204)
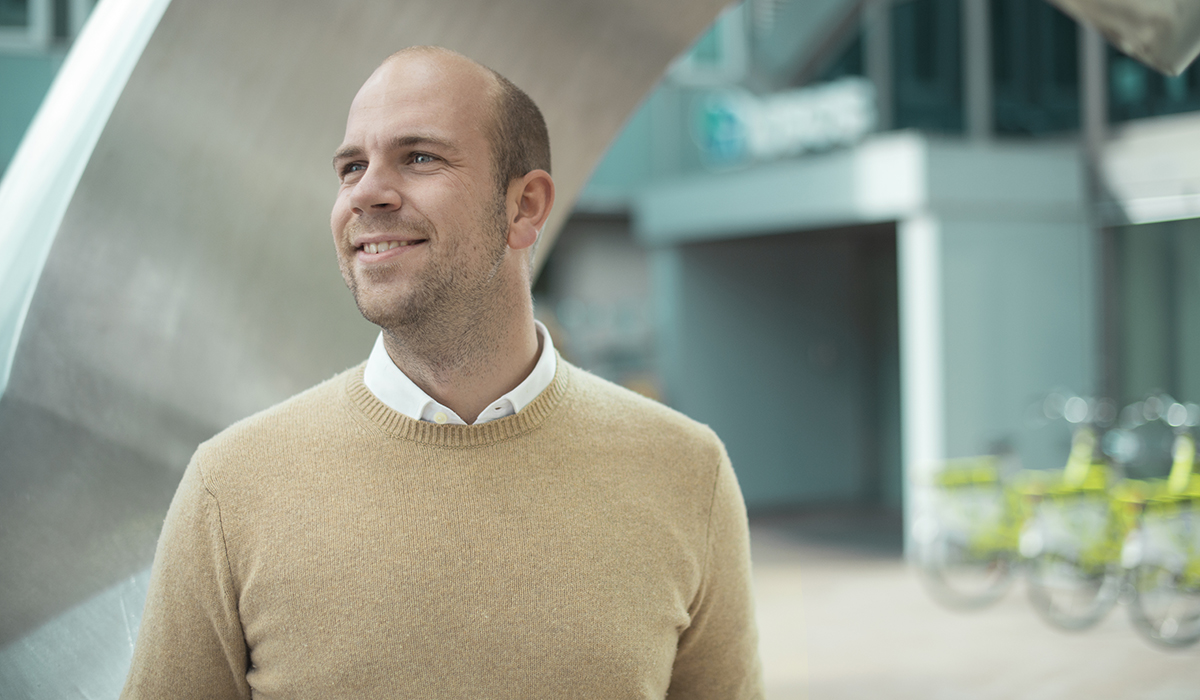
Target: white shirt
point(398, 392)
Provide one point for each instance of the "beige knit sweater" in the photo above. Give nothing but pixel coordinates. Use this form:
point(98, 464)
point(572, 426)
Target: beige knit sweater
point(592, 546)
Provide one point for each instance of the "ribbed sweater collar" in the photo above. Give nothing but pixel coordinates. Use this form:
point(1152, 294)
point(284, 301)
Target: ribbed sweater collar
point(400, 426)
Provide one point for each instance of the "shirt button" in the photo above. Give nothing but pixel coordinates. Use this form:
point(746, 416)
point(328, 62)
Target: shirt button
point(439, 417)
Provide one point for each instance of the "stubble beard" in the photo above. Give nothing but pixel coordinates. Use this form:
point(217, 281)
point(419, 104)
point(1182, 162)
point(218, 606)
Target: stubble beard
point(445, 312)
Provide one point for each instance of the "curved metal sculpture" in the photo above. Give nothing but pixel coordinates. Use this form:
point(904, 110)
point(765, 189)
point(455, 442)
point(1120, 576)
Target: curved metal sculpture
point(1163, 34)
point(192, 282)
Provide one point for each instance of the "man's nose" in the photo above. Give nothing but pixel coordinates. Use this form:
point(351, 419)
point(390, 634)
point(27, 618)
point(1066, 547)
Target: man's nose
point(377, 191)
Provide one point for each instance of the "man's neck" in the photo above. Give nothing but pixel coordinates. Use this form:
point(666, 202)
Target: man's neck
point(468, 370)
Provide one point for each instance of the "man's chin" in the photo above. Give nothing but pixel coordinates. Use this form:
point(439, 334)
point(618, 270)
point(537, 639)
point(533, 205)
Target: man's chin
point(390, 312)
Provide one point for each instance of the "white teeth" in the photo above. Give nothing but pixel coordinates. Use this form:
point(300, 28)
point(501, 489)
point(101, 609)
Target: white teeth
point(386, 245)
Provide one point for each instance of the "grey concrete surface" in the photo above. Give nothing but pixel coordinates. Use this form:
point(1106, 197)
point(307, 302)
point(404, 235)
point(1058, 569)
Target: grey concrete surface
point(841, 617)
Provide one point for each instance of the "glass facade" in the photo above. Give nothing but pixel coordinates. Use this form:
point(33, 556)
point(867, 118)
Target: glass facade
point(62, 19)
point(1035, 68)
point(14, 13)
point(927, 65)
point(1157, 309)
point(1135, 91)
point(850, 61)
point(707, 49)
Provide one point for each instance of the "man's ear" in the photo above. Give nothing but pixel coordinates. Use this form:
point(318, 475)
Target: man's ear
point(530, 199)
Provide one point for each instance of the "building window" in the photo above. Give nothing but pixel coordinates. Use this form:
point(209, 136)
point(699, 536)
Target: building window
point(847, 62)
point(1135, 91)
point(41, 25)
point(926, 60)
point(25, 24)
point(1035, 64)
point(14, 13)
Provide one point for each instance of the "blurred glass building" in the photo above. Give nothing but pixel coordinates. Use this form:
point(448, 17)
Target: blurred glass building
point(858, 238)
point(34, 38)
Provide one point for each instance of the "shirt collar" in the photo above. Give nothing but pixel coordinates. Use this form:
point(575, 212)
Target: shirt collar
point(391, 386)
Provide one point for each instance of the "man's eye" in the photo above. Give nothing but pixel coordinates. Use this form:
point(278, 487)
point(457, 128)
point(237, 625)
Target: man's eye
point(422, 158)
point(353, 168)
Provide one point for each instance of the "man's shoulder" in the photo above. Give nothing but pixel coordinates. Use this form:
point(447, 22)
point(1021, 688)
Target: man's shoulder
point(284, 427)
point(610, 406)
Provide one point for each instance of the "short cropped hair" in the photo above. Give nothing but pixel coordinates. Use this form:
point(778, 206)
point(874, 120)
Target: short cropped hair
point(520, 140)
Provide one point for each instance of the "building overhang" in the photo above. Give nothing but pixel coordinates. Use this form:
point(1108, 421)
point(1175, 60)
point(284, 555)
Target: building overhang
point(888, 177)
point(1150, 171)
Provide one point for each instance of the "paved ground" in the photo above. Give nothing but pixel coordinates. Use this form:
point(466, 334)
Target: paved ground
point(841, 617)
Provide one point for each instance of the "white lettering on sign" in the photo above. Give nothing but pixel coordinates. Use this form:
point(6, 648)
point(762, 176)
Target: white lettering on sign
point(738, 126)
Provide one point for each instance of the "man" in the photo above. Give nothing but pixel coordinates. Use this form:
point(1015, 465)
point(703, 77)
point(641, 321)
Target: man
point(399, 531)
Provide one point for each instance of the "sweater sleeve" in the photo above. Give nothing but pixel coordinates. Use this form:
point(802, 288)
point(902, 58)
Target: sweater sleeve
point(717, 655)
point(190, 643)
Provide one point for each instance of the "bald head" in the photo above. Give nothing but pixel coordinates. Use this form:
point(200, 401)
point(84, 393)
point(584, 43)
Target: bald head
point(516, 130)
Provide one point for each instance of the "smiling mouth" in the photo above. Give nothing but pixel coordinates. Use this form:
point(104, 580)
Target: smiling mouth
point(385, 246)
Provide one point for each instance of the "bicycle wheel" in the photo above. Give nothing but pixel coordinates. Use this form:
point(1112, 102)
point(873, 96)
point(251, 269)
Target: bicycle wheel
point(962, 579)
point(1069, 596)
point(1164, 609)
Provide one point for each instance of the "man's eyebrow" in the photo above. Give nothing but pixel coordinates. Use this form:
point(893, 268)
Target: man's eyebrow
point(347, 152)
point(397, 143)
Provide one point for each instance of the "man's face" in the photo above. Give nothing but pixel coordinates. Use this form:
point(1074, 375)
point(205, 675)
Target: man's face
point(418, 225)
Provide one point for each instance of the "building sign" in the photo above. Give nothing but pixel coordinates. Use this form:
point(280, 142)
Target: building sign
point(734, 127)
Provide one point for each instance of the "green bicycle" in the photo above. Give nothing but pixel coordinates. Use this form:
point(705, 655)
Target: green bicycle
point(967, 554)
point(1163, 559)
point(1095, 535)
point(994, 520)
point(1072, 543)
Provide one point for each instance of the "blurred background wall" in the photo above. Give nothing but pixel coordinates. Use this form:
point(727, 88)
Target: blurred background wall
point(876, 233)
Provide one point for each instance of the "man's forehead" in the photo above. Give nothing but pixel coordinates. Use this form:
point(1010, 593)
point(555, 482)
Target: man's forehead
point(443, 74)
